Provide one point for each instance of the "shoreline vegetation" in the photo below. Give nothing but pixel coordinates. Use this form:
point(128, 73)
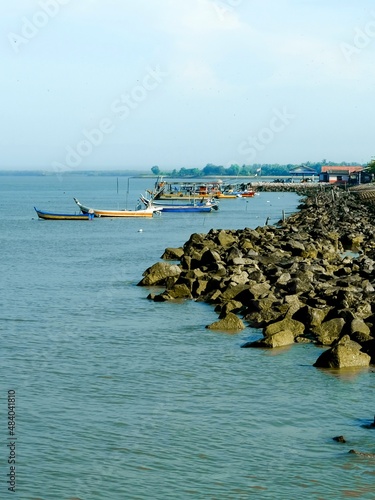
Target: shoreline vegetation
point(308, 279)
point(263, 171)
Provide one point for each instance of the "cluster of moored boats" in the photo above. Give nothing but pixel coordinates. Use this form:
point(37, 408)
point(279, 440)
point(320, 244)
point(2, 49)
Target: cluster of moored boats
point(165, 197)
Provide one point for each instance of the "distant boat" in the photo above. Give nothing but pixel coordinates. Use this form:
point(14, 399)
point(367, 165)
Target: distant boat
point(147, 212)
point(246, 194)
point(201, 206)
point(59, 216)
point(199, 190)
point(185, 190)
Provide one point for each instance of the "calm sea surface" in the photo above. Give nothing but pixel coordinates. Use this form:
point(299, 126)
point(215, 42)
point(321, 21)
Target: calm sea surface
point(118, 397)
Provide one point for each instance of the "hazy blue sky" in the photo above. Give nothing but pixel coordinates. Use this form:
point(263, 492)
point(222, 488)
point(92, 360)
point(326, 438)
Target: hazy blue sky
point(182, 83)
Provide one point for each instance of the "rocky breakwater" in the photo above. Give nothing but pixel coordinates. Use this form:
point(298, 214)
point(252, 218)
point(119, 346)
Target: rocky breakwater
point(296, 281)
point(301, 188)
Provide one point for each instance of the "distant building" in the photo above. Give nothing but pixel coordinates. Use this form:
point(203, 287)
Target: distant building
point(304, 172)
point(352, 174)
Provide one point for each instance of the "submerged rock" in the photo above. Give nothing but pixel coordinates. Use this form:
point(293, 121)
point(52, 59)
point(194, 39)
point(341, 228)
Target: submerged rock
point(362, 454)
point(339, 439)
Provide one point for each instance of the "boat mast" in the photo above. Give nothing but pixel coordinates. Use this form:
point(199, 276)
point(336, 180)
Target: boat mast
point(127, 194)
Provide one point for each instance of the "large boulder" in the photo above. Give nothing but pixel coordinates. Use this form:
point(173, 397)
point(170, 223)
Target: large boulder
point(294, 246)
point(199, 287)
point(209, 258)
point(344, 354)
point(260, 312)
point(177, 292)
point(239, 278)
point(329, 331)
point(299, 285)
point(226, 239)
point(359, 326)
point(311, 317)
point(173, 253)
point(279, 339)
point(230, 306)
point(158, 274)
point(230, 322)
point(293, 305)
point(287, 324)
point(234, 291)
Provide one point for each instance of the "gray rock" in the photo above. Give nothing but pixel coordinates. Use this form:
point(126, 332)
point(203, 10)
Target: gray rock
point(158, 273)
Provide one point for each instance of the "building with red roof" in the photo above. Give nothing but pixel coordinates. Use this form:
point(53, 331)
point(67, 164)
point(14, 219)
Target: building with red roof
point(341, 174)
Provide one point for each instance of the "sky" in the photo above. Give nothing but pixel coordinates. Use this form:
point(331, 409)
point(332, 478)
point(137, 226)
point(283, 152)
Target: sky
point(124, 84)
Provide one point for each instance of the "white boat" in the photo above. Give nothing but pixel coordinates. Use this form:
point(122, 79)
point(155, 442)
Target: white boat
point(146, 212)
point(193, 206)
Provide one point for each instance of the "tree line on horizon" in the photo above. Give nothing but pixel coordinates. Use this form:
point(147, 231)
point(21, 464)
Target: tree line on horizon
point(257, 169)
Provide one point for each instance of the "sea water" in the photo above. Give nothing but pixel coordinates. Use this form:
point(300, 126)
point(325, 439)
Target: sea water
point(118, 397)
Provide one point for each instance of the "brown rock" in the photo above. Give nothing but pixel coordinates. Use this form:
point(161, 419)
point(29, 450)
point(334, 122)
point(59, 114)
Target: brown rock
point(180, 291)
point(173, 253)
point(226, 239)
point(345, 354)
point(230, 322)
point(279, 339)
point(359, 326)
point(329, 331)
point(287, 324)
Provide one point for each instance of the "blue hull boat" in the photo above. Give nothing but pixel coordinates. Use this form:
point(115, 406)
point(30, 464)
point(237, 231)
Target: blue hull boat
point(58, 216)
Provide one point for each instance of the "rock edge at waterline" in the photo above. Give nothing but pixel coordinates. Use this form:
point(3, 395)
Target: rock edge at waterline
point(294, 281)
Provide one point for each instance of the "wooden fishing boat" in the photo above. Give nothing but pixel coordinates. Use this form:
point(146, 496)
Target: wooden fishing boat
point(246, 194)
point(147, 212)
point(60, 216)
point(163, 206)
point(226, 195)
point(195, 190)
point(185, 190)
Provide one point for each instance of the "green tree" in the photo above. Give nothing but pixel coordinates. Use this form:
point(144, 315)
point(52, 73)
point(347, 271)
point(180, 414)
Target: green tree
point(234, 169)
point(189, 172)
point(211, 169)
point(371, 167)
point(155, 170)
